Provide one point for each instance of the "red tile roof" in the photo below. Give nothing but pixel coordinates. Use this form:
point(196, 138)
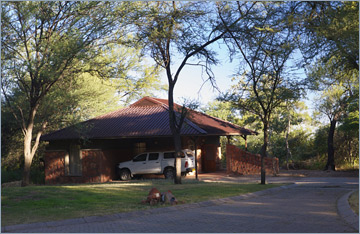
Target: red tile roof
point(147, 117)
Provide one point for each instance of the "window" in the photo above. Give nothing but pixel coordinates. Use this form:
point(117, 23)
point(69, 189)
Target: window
point(73, 165)
point(139, 158)
point(153, 156)
point(140, 147)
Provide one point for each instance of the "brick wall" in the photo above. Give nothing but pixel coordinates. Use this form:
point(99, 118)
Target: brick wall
point(244, 163)
point(91, 168)
point(54, 166)
point(97, 166)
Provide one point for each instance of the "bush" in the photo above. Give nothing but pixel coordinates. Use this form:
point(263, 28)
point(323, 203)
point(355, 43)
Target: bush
point(10, 176)
point(36, 176)
point(315, 163)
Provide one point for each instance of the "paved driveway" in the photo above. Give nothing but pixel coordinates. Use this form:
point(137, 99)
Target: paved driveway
point(308, 206)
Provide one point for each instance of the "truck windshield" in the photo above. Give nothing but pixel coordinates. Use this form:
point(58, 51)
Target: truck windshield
point(140, 158)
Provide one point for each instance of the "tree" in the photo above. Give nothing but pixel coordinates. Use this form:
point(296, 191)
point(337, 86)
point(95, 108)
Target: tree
point(284, 119)
point(347, 137)
point(328, 29)
point(45, 43)
point(330, 39)
point(335, 99)
point(265, 44)
point(180, 31)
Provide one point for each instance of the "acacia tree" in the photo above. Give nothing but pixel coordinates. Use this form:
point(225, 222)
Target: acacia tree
point(331, 41)
point(44, 43)
point(339, 88)
point(328, 29)
point(177, 32)
point(265, 44)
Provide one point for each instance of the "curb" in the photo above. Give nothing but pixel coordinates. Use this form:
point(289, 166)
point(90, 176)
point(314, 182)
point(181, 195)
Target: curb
point(117, 216)
point(346, 212)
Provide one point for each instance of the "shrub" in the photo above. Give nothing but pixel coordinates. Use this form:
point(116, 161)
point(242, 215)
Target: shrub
point(10, 176)
point(36, 176)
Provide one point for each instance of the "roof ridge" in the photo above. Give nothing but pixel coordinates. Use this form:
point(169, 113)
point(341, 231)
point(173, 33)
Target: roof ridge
point(148, 98)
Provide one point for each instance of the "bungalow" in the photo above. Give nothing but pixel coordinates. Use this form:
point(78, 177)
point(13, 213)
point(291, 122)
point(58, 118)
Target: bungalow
point(89, 151)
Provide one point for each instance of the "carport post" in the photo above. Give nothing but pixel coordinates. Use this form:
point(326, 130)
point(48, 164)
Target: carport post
point(196, 169)
point(195, 145)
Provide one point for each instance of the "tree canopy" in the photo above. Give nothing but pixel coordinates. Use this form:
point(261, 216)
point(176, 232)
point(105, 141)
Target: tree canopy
point(52, 51)
point(46, 46)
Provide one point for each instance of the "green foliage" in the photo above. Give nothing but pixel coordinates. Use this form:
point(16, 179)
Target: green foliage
point(320, 140)
point(331, 29)
point(11, 175)
point(36, 176)
point(61, 63)
point(222, 110)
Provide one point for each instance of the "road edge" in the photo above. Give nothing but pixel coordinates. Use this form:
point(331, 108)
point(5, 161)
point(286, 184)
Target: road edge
point(345, 211)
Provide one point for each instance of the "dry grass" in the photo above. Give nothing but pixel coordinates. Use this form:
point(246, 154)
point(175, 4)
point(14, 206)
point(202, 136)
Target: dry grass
point(354, 201)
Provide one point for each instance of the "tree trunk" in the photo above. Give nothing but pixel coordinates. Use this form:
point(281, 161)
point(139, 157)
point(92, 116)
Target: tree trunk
point(177, 141)
point(28, 157)
point(28, 152)
point(176, 135)
point(330, 165)
point(288, 152)
point(263, 153)
point(29, 148)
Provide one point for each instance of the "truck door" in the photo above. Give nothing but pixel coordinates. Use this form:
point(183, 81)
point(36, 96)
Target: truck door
point(139, 164)
point(153, 165)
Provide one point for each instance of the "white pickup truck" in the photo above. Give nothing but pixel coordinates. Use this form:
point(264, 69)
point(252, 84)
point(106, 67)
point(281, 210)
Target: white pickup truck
point(156, 163)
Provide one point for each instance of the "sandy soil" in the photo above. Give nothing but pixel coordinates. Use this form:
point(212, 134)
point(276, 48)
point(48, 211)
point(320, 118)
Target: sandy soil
point(317, 173)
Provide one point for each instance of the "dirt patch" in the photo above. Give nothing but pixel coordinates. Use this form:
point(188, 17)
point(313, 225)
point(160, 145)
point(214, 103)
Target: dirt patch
point(32, 195)
point(316, 173)
point(219, 175)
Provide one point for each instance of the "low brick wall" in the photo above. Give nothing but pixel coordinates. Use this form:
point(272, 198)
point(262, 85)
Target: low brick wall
point(245, 163)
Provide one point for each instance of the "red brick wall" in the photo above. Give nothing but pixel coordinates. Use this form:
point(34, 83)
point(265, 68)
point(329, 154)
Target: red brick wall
point(244, 163)
point(97, 166)
point(55, 167)
point(91, 166)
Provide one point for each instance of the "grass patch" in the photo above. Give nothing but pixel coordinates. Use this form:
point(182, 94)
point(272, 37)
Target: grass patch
point(21, 205)
point(354, 201)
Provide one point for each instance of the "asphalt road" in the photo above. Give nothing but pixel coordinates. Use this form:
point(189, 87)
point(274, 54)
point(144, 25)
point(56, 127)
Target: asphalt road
point(308, 206)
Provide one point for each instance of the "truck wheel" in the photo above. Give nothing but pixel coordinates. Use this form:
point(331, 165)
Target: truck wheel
point(125, 174)
point(169, 173)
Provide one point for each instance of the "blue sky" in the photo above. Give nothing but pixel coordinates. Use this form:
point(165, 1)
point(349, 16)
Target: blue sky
point(191, 81)
point(191, 85)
